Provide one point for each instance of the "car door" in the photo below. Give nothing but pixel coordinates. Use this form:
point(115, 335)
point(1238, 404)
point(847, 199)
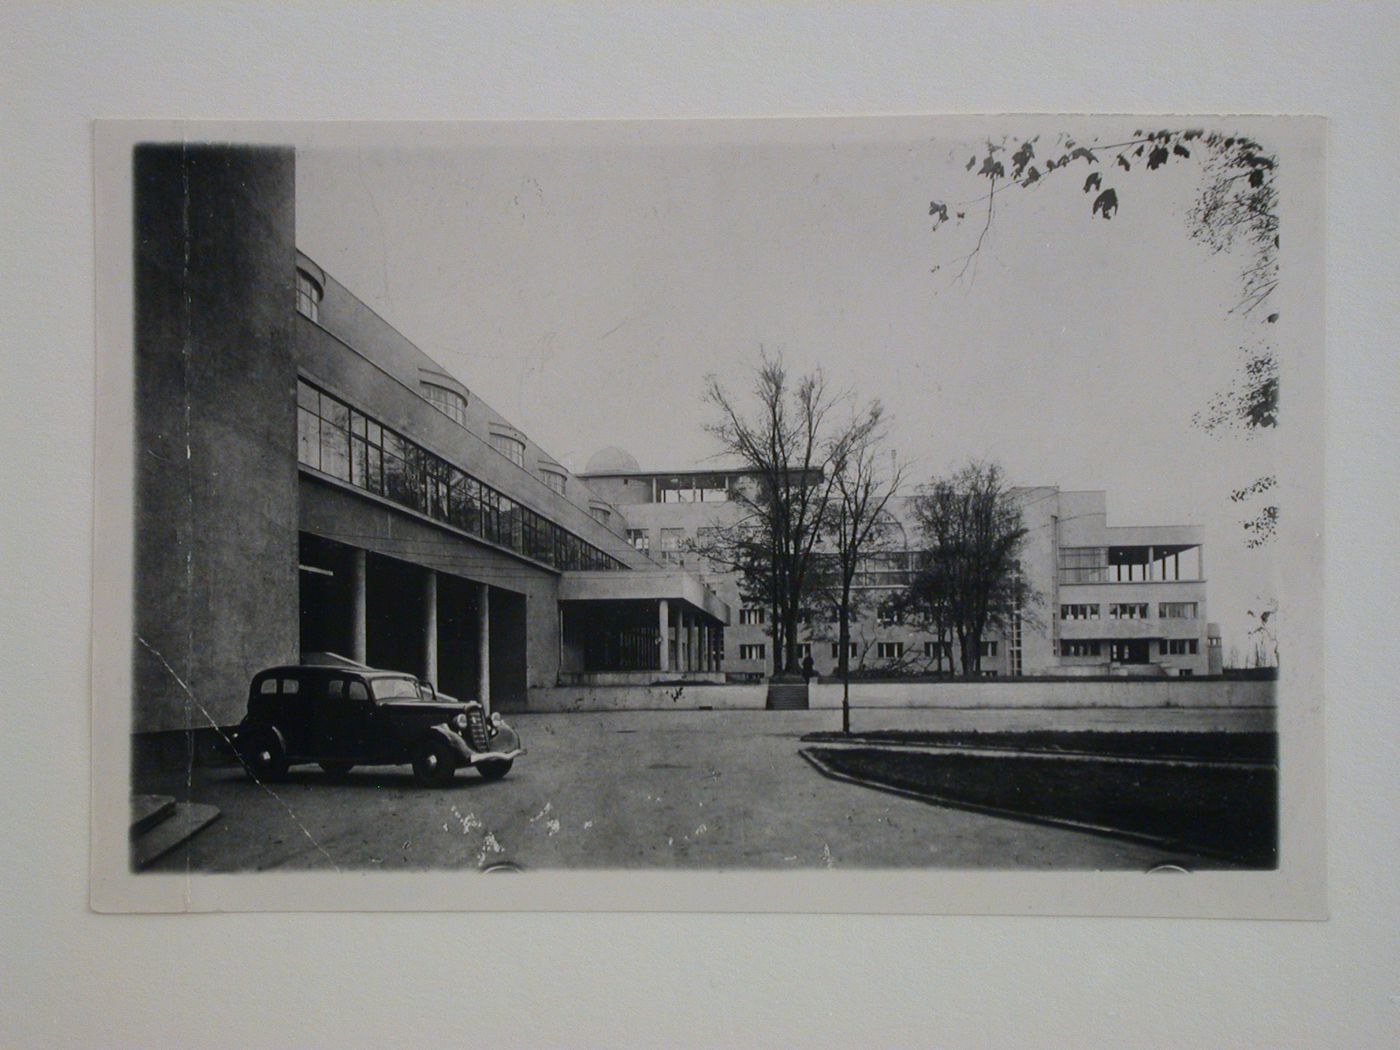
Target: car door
point(357, 721)
point(343, 713)
point(293, 694)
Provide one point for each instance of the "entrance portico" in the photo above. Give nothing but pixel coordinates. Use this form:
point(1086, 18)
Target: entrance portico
point(639, 627)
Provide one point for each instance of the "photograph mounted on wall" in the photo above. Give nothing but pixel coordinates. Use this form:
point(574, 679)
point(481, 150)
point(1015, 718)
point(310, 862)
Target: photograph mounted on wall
point(892, 514)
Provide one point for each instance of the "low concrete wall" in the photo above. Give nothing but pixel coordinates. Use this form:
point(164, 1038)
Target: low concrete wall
point(992, 694)
point(1009, 693)
point(644, 679)
point(649, 697)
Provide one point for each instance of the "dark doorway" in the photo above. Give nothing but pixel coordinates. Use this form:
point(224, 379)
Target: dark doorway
point(395, 616)
point(1134, 651)
point(326, 585)
point(508, 675)
point(459, 672)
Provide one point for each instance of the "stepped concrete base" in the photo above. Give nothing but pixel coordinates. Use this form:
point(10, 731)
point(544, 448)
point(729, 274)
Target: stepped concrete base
point(787, 696)
point(159, 824)
point(149, 810)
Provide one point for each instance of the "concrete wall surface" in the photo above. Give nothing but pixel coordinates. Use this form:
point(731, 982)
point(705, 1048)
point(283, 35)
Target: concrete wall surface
point(1166, 695)
point(999, 693)
point(649, 697)
point(216, 483)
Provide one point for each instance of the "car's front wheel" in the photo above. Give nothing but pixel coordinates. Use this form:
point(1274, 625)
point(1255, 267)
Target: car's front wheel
point(434, 762)
point(336, 769)
point(494, 768)
point(262, 752)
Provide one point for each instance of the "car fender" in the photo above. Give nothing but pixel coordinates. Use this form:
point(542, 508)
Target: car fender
point(245, 728)
point(458, 745)
point(506, 739)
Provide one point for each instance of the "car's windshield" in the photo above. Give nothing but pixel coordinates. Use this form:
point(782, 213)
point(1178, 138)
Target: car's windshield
point(396, 689)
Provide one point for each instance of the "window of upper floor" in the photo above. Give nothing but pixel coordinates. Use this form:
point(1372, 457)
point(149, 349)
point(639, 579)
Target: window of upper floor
point(555, 478)
point(1128, 611)
point(309, 294)
point(693, 488)
point(510, 447)
point(672, 544)
point(889, 614)
point(1079, 611)
point(1177, 610)
point(447, 401)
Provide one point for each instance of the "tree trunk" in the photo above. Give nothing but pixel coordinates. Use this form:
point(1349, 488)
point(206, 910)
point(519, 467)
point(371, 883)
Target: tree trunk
point(774, 625)
point(971, 654)
point(843, 635)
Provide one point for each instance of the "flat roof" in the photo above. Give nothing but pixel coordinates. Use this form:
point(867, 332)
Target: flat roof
point(643, 585)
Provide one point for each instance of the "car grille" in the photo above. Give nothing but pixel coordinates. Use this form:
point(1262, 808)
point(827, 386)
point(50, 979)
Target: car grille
point(476, 730)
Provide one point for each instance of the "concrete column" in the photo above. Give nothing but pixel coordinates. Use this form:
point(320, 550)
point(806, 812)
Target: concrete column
point(681, 648)
point(692, 652)
point(430, 628)
point(664, 628)
point(359, 640)
point(483, 646)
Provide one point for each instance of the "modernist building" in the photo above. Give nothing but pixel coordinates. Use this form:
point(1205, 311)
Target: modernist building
point(309, 481)
point(1112, 599)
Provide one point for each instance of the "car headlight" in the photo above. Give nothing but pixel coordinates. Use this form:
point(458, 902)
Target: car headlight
point(460, 721)
point(497, 720)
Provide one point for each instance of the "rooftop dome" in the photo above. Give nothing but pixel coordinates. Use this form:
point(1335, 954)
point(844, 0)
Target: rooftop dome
point(612, 460)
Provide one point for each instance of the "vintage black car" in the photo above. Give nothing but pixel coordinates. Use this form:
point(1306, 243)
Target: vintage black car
point(344, 716)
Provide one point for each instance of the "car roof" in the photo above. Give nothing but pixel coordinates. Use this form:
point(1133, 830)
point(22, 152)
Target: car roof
point(363, 672)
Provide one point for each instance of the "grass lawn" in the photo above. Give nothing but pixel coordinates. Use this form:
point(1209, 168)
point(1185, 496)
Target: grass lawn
point(1237, 747)
point(1224, 811)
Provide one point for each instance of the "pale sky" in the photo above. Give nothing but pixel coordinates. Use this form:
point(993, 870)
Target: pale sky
point(584, 278)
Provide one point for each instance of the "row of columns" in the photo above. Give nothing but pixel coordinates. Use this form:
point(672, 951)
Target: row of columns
point(692, 640)
point(359, 610)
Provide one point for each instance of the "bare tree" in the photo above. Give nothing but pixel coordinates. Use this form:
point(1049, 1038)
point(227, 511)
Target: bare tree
point(926, 602)
point(863, 480)
point(787, 438)
point(973, 532)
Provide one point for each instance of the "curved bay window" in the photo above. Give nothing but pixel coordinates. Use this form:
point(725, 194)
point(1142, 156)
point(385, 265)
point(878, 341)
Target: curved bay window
point(447, 401)
point(554, 478)
point(510, 447)
point(309, 293)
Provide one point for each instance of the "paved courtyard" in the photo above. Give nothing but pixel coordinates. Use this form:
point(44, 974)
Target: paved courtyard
point(636, 789)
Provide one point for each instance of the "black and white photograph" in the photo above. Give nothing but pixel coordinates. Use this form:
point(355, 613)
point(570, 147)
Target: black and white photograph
point(889, 498)
point(699, 525)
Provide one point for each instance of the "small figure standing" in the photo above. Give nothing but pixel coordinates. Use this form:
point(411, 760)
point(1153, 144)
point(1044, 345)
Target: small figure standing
point(808, 670)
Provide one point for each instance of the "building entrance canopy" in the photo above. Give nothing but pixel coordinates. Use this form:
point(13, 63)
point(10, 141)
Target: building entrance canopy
point(639, 625)
point(673, 586)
